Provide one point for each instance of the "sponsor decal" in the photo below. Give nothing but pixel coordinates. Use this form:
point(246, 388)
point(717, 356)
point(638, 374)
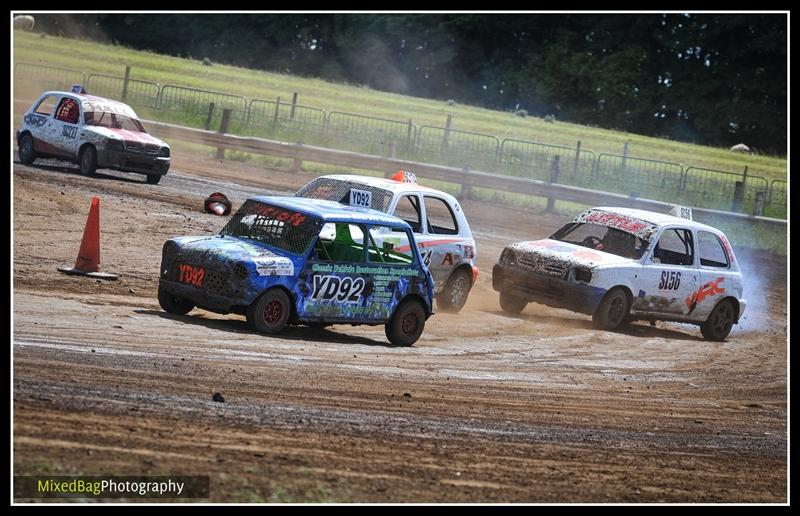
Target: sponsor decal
point(711, 288)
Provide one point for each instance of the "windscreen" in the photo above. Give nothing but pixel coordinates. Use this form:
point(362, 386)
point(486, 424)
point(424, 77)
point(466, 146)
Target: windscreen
point(274, 226)
point(602, 238)
point(113, 121)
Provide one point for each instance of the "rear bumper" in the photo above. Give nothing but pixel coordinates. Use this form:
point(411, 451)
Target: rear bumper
point(547, 290)
point(133, 162)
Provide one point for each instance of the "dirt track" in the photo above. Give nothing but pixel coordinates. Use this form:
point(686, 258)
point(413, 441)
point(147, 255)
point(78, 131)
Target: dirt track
point(485, 407)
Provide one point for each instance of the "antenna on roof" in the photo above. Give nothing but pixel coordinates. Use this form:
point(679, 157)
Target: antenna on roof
point(681, 211)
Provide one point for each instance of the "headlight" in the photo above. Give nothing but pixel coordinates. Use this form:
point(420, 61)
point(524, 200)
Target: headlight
point(164, 152)
point(583, 274)
point(508, 257)
point(114, 145)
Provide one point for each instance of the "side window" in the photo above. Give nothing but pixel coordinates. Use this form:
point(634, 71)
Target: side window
point(441, 220)
point(675, 247)
point(340, 242)
point(68, 111)
point(408, 209)
point(46, 106)
point(387, 252)
point(712, 253)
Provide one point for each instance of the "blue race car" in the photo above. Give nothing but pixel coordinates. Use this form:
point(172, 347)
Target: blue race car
point(287, 260)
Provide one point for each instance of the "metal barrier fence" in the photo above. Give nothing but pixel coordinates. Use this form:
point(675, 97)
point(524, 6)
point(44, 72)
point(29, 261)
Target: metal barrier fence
point(272, 118)
point(535, 160)
point(716, 188)
point(369, 134)
point(192, 106)
point(636, 177)
point(135, 92)
point(639, 177)
point(458, 148)
point(777, 192)
point(46, 77)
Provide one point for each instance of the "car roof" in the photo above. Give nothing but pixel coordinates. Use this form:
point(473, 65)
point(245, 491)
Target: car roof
point(110, 105)
point(658, 219)
point(394, 186)
point(332, 211)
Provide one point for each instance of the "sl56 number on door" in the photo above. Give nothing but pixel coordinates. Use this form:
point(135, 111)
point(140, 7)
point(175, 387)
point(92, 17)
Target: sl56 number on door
point(670, 280)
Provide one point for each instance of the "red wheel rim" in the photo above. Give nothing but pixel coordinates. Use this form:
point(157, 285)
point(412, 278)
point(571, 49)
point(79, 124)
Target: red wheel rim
point(273, 312)
point(410, 323)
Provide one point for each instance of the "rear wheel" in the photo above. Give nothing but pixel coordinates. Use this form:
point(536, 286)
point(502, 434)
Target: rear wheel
point(88, 161)
point(613, 310)
point(26, 152)
point(407, 323)
point(153, 179)
point(172, 303)
point(512, 304)
point(270, 312)
point(455, 292)
point(719, 322)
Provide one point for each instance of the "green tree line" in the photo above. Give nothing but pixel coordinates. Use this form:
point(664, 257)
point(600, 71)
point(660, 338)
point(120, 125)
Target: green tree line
point(714, 79)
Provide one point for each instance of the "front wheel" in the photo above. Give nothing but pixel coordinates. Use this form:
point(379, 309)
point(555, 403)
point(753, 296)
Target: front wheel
point(719, 322)
point(512, 304)
point(172, 303)
point(613, 310)
point(270, 313)
point(88, 161)
point(26, 152)
point(407, 323)
point(455, 292)
point(153, 179)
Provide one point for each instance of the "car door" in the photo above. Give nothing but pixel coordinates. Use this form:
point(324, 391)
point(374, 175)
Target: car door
point(337, 281)
point(716, 276)
point(45, 133)
point(440, 242)
point(669, 274)
point(409, 208)
point(67, 124)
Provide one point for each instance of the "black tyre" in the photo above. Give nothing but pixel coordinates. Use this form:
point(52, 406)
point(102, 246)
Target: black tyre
point(172, 303)
point(270, 312)
point(88, 161)
point(511, 304)
point(407, 323)
point(454, 295)
point(153, 179)
point(26, 152)
point(613, 310)
point(719, 322)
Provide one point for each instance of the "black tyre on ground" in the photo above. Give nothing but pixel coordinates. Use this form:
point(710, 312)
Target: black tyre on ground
point(511, 304)
point(407, 323)
point(455, 292)
point(26, 152)
point(172, 303)
point(270, 312)
point(613, 310)
point(719, 322)
point(153, 179)
point(88, 161)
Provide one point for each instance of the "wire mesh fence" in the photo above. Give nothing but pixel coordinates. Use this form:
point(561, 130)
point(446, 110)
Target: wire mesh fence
point(38, 78)
point(137, 93)
point(535, 160)
point(368, 134)
point(200, 108)
point(290, 121)
point(457, 148)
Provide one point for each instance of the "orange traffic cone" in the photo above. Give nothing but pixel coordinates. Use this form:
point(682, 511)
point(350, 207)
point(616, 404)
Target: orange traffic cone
point(88, 262)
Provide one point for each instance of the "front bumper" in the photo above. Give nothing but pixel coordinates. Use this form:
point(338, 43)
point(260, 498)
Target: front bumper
point(133, 162)
point(548, 290)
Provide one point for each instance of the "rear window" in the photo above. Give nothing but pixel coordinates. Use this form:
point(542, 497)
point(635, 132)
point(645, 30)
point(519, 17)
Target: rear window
point(341, 192)
point(275, 226)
